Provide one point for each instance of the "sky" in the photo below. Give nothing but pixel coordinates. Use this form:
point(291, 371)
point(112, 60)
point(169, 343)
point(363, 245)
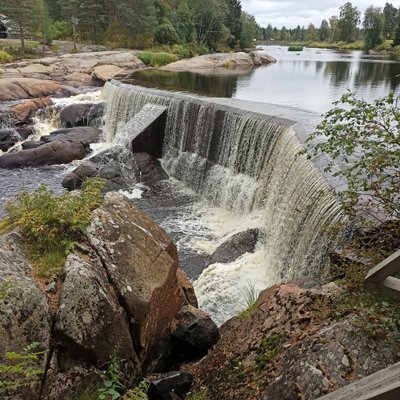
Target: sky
point(291, 13)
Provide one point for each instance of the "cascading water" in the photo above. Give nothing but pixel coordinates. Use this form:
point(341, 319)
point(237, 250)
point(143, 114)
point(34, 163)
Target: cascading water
point(246, 163)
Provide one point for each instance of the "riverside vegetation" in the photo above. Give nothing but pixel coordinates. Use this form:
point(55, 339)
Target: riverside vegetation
point(52, 225)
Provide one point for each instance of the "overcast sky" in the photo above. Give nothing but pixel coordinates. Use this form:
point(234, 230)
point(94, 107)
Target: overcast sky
point(291, 13)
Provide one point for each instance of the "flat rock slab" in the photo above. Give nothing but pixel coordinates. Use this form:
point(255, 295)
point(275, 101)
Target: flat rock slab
point(106, 72)
point(24, 88)
point(218, 60)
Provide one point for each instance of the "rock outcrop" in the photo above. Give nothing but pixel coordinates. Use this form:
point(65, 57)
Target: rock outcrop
point(25, 321)
point(119, 297)
point(289, 348)
point(53, 75)
point(75, 115)
point(24, 88)
point(218, 60)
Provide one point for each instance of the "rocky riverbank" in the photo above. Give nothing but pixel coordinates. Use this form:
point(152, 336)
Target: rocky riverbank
point(121, 295)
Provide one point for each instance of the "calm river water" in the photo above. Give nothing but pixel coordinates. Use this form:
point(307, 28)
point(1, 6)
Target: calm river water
point(311, 79)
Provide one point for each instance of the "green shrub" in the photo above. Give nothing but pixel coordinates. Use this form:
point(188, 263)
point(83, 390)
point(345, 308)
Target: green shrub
point(113, 385)
point(166, 34)
point(295, 48)
point(52, 225)
point(5, 57)
point(21, 370)
point(157, 59)
point(371, 132)
point(139, 392)
point(387, 45)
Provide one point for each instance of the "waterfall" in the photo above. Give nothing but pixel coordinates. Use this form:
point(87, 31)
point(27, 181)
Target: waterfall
point(243, 161)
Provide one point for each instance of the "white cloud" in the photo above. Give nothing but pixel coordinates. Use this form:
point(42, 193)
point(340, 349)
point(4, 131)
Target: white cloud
point(291, 13)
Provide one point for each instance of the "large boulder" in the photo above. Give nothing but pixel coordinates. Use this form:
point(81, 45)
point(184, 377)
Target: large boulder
point(146, 274)
point(75, 115)
point(119, 168)
point(236, 246)
point(24, 111)
point(90, 323)
point(25, 321)
point(209, 61)
point(73, 180)
point(195, 333)
point(24, 88)
point(56, 152)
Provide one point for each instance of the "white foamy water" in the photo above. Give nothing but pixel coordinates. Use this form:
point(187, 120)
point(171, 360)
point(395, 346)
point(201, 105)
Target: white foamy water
point(222, 289)
point(134, 193)
point(89, 97)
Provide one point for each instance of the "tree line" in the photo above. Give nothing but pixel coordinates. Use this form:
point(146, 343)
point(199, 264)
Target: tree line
point(377, 25)
point(211, 24)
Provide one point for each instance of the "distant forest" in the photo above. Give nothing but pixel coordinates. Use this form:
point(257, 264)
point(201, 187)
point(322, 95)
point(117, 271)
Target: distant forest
point(377, 26)
point(214, 25)
point(205, 25)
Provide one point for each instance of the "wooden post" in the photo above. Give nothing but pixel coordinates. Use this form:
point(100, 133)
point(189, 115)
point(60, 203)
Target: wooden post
point(383, 385)
point(379, 278)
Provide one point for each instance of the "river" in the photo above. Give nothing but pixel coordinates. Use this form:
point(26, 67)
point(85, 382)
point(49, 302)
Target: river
point(310, 80)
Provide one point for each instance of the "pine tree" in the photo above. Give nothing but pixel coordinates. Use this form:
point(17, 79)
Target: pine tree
point(390, 20)
point(396, 38)
point(21, 13)
point(234, 22)
point(324, 31)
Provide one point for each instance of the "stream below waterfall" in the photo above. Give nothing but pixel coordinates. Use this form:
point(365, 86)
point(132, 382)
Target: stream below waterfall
point(256, 180)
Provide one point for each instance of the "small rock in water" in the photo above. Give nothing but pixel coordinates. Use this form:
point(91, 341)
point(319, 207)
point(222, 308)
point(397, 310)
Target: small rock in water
point(234, 247)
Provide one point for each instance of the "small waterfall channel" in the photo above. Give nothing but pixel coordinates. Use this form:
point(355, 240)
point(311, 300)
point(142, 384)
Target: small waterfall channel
point(251, 166)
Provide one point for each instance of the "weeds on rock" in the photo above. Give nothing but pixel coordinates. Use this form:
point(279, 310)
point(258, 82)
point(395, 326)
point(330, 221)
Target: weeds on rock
point(139, 392)
point(21, 370)
point(52, 225)
point(113, 386)
point(269, 347)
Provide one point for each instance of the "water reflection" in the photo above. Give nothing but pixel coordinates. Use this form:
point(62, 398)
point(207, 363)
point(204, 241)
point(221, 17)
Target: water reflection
point(338, 72)
point(311, 79)
point(208, 83)
point(377, 73)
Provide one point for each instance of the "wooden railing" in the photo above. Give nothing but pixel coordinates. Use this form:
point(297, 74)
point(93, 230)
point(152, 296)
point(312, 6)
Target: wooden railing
point(383, 385)
point(379, 278)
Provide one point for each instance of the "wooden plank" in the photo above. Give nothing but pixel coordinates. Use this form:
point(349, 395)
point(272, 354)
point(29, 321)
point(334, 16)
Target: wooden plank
point(384, 269)
point(389, 286)
point(383, 385)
